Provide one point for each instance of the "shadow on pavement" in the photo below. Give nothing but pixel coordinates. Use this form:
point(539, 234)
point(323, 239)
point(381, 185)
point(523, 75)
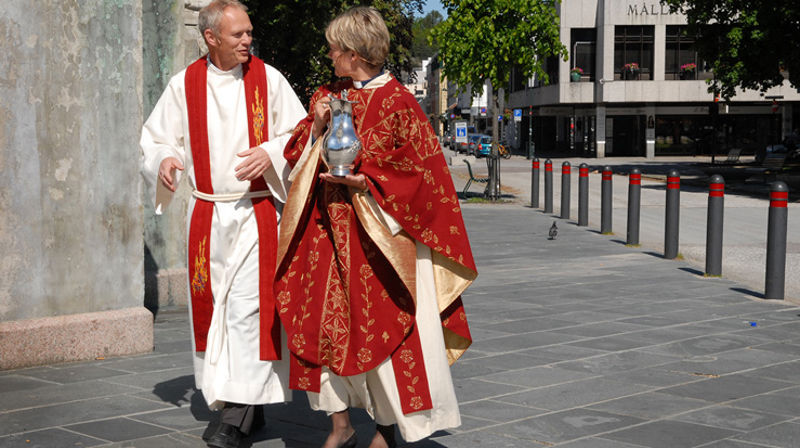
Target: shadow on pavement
point(749, 292)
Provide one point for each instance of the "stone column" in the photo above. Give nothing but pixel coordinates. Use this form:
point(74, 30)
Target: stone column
point(650, 131)
point(171, 42)
point(600, 131)
point(70, 191)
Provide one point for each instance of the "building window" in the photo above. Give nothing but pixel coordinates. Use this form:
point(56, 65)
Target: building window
point(582, 52)
point(682, 61)
point(518, 81)
point(633, 52)
point(550, 67)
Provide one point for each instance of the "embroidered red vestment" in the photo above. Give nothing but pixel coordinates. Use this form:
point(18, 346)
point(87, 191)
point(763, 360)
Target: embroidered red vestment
point(345, 288)
point(255, 86)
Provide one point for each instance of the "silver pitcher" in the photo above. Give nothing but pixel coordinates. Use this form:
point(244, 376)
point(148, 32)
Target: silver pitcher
point(341, 144)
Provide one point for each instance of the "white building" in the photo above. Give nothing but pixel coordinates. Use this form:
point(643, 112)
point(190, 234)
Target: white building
point(419, 86)
point(657, 109)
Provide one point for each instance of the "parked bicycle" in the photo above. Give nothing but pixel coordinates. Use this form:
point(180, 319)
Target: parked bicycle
point(503, 152)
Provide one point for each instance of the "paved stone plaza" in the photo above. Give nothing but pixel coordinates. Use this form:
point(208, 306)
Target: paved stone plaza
point(579, 342)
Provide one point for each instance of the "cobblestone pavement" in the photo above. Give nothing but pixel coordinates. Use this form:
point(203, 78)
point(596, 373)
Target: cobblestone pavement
point(580, 342)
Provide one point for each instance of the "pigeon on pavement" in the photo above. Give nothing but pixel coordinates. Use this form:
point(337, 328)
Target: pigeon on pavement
point(553, 231)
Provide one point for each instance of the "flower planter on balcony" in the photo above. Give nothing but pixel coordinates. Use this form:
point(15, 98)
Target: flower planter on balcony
point(687, 75)
point(630, 75)
point(574, 76)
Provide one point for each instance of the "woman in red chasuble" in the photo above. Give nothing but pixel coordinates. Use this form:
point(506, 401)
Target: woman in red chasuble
point(372, 265)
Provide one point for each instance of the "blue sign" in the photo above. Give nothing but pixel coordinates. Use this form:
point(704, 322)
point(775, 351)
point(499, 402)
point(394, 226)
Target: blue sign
point(499, 118)
point(461, 132)
point(517, 115)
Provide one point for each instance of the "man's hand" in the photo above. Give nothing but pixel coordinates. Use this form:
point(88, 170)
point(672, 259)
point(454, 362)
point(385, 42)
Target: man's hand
point(257, 161)
point(358, 181)
point(165, 170)
point(322, 115)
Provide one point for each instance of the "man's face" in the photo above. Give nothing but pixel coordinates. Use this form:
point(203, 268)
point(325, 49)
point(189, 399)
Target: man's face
point(231, 46)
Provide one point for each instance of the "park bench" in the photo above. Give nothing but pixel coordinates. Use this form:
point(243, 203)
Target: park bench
point(774, 162)
point(733, 155)
point(472, 178)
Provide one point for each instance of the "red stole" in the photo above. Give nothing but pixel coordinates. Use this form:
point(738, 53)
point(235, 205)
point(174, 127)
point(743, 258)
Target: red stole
point(255, 87)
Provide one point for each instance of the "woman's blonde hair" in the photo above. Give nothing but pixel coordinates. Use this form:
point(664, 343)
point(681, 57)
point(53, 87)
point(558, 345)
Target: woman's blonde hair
point(361, 29)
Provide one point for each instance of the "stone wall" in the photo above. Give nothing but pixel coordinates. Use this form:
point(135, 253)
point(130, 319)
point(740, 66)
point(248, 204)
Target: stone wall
point(171, 42)
point(70, 193)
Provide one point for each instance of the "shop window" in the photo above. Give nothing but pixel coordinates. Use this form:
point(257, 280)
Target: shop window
point(633, 52)
point(684, 135)
point(682, 61)
point(583, 46)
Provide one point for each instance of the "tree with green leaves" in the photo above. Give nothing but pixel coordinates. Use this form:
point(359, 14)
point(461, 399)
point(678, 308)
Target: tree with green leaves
point(751, 44)
point(422, 48)
point(290, 35)
point(483, 40)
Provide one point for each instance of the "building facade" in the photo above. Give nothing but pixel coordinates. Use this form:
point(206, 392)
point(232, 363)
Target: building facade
point(634, 85)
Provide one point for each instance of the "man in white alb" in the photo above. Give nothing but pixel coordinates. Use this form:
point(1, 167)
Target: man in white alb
point(224, 121)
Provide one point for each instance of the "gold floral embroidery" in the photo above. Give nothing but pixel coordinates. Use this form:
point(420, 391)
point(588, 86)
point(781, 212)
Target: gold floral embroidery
point(299, 341)
point(258, 118)
point(200, 277)
point(365, 355)
point(407, 356)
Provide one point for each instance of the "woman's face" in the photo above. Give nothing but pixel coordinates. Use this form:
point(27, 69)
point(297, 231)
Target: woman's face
point(342, 60)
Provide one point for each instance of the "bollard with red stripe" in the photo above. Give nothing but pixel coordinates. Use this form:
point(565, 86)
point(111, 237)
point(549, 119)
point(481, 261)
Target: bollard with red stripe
point(776, 241)
point(548, 186)
point(716, 208)
point(672, 215)
point(634, 206)
point(583, 195)
point(566, 170)
point(535, 183)
point(606, 195)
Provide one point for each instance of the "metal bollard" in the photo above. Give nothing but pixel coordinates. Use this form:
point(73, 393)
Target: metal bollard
point(672, 216)
point(548, 186)
point(776, 241)
point(606, 194)
point(535, 183)
point(634, 206)
point(583, 195)
point(716, 209)
point(566, 176)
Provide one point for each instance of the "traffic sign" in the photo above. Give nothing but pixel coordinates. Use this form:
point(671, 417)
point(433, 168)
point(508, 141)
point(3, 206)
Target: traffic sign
point(517, 115)
point(461, 132)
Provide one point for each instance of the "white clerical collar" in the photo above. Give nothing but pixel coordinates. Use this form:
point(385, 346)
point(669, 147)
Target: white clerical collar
point(234, 71)
point(362, 84)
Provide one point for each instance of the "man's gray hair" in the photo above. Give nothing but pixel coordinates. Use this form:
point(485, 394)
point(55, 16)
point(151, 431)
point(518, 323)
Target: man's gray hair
point(211, 16)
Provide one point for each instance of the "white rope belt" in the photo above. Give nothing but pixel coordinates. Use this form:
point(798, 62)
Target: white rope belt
point(230, 197)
